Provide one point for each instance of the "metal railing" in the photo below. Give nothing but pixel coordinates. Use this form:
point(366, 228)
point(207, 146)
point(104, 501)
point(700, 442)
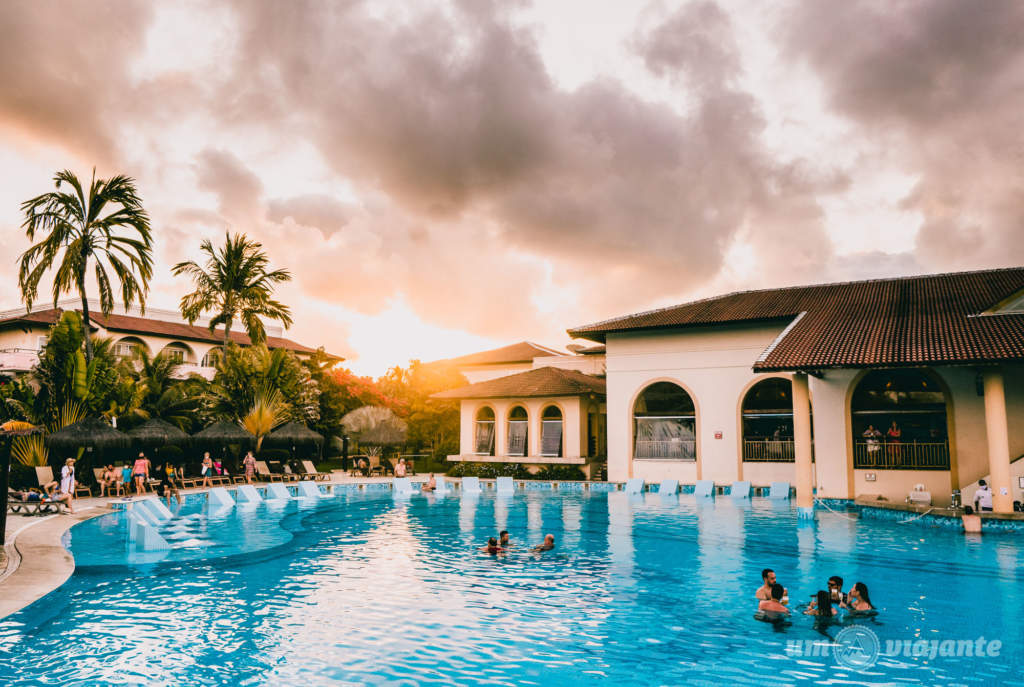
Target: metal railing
point(674, 449)
point(769, 451)
point(910, 455)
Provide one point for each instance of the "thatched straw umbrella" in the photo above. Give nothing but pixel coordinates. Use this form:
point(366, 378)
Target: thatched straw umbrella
point(222, 435)
point(156, 434)
point(292, 435)
point(92, 434)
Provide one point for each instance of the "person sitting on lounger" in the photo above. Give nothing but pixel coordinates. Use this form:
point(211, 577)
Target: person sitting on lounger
point(108, 480)
point(430, 484)
point(492, 547)
point(35, 496)
point(549, 543)
point(774, 604)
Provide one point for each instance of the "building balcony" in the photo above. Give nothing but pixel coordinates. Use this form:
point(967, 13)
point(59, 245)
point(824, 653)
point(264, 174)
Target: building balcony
point(17, 360)
point(532, 460)
point(911, 455)
point(769, 451)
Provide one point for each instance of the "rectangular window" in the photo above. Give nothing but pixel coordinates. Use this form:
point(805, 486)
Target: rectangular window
point(42, 342)
point(665, 437)
point(484, 438)
point(551, 438)
point(175, 354)
point(517, 437)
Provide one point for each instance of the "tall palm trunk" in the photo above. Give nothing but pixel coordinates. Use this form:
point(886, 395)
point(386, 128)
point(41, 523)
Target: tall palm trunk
point(227, 334)
point(85, 316)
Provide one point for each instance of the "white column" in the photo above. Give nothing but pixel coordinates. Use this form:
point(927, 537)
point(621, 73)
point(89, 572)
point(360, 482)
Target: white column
point(802, 444)
point(998, 441)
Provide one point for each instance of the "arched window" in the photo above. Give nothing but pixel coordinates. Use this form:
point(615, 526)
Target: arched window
point(898, 419)
point(518, 432)
point(213, 357)
point(129, 347)
point(551, 432)
point(664, 423)
point(768, 422)
point(178, 352)
point(483, 443)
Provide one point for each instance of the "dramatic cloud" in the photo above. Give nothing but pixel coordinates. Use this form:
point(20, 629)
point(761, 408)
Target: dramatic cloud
point(938, 86)
point(447, 164)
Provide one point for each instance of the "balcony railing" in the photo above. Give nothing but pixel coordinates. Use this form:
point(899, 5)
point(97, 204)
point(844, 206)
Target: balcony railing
point(910, 455)
point(768, 451)
point(673, 449)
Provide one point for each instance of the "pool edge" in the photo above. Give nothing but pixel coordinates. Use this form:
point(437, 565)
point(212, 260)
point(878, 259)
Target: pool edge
point(40, 562)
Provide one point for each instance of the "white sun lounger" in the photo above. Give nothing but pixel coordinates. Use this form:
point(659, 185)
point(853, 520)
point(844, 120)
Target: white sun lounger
point(668, 487)
point(779, 490)
point(470, 485)
point(505, 485)
point(705, 488)
point(740, 490)
point(634, 486)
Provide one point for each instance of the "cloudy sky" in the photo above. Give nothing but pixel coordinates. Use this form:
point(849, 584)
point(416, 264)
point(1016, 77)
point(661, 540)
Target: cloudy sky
point(447, 177)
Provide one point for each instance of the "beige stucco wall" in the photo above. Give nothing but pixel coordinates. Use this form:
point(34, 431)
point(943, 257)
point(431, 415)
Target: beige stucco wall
point(18, 338)
point(713, 364)
point(574, 437)
point(587, 364)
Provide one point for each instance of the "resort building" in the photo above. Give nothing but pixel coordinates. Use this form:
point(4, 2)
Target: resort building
point(23, 335)
point(870, 389)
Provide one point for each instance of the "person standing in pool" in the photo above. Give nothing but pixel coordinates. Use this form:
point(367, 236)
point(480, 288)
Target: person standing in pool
point(492, 547)
point(822, 605)
point(858, 599)
point(503, 540)
point(549, 543)
point(774, 603)
point(764, 592)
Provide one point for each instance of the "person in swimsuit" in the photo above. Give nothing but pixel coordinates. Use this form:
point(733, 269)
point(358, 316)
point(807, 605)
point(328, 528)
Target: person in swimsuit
point(492, 547)
point(141, 473)
point(549, 543)
point(207, 470)
point(167, 486)
point(108, 481)
point(822, 606)
point(67, 477)
point(400, 469)
point(249, 463)
point(773, 604)
point(764, 592)
point(858, 599)
point(504, 541)
point(430, 484)
point(126, 479)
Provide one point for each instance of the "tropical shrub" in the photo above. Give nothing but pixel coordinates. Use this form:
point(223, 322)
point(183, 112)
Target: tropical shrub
point(489, 470)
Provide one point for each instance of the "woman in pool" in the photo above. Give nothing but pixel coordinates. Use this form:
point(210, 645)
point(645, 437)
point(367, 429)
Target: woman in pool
point(821, 606)
point(492, 547)
point(859, 599)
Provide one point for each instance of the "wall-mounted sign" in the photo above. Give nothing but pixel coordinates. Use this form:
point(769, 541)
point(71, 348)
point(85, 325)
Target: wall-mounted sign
point(869, 477)
point(718, 435)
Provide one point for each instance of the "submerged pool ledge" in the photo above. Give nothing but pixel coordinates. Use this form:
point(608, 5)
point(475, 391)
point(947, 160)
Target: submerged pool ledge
point(933, 516)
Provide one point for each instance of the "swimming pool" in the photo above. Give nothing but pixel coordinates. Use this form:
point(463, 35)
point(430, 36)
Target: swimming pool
point(364, 589)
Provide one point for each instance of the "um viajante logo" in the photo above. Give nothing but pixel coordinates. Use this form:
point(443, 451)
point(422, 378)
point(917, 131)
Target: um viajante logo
point(858, 648)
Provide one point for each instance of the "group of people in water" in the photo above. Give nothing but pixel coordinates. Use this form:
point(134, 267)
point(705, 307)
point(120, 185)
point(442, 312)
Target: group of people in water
point(773, 598)
point(500, 545)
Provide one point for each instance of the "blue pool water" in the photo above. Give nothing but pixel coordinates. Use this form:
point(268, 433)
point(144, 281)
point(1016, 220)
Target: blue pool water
point(363, 589)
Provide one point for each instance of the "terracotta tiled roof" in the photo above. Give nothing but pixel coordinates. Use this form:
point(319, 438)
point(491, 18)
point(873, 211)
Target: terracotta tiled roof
point(931, 319)
point(543, 381)
point(522, 352)
point(142, 325)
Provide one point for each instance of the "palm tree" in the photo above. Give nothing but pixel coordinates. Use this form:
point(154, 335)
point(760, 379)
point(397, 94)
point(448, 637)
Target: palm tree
point(234, 283)
point(268, 410)
point(75, 224)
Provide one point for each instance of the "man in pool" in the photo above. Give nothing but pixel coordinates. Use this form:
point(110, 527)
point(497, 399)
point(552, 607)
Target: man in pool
point(764, 592)
point(504, 541)
point(773, 604)
point(549, 543)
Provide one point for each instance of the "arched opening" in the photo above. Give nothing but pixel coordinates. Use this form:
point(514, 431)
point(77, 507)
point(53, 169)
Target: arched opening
point(518, 432)
point(213, 357)
point(129, 347)
point(483, 441)
point(664, 423)
point(767, 417)
point(898, 420)
point(178, 352)
point(551, 432)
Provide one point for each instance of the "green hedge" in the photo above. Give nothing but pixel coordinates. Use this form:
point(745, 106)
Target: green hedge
point(561, 473)
point(489, 470)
